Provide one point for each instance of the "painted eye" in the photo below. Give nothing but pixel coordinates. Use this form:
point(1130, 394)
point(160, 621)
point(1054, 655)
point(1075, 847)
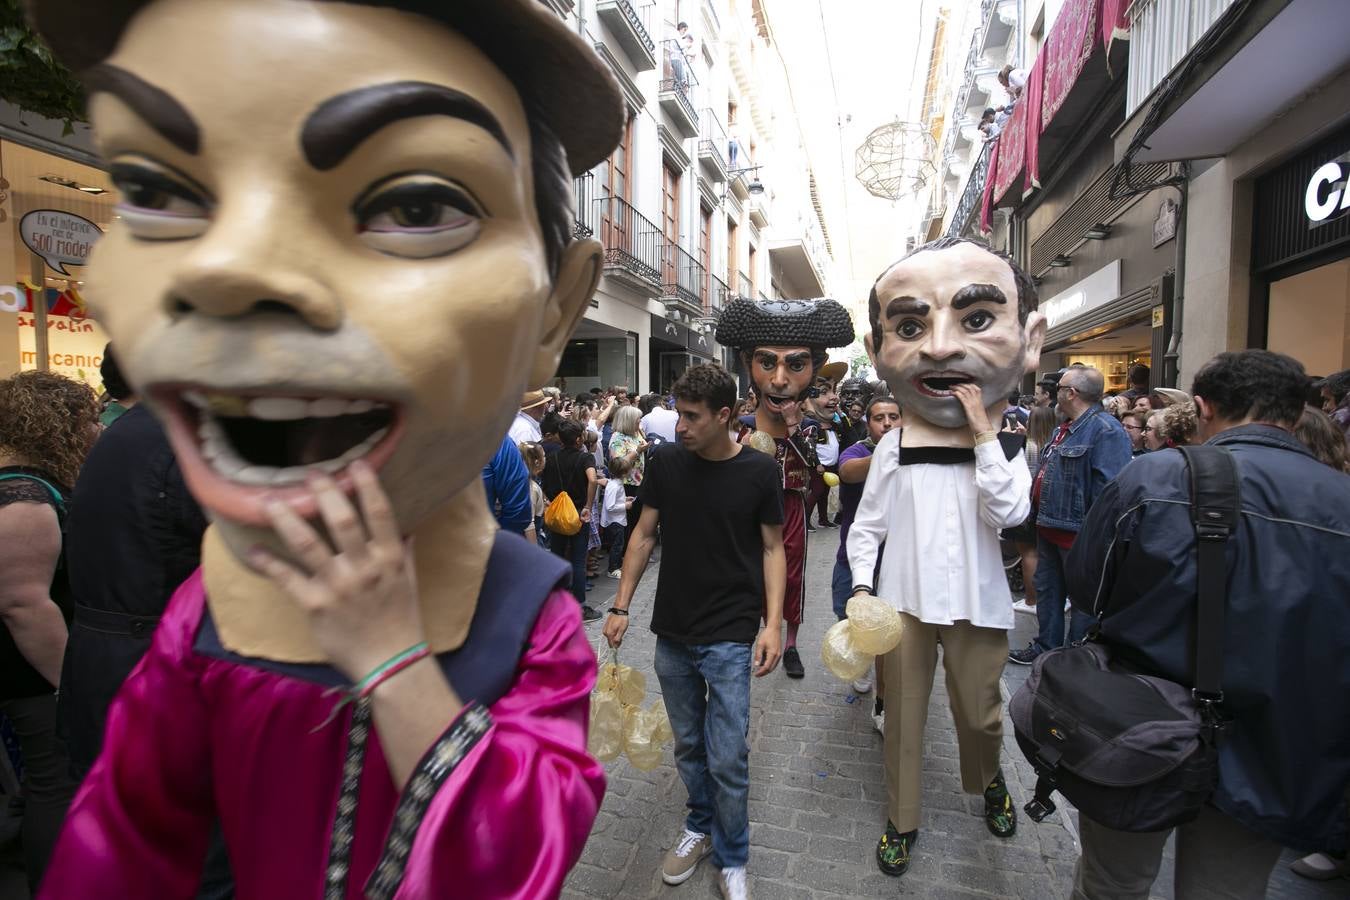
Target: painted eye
point(909, 329)
point(418, 219)
point(157, 207)
point(978, 320)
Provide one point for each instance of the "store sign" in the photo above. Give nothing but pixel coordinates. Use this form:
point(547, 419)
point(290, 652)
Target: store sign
point(1101, 287)
point(61, 238)
point(701, 343)
point(1327, 195)
point(670, 331)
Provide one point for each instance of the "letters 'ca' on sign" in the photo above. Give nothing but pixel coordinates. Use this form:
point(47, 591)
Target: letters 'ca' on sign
point(1327, 193)
point(60, 238)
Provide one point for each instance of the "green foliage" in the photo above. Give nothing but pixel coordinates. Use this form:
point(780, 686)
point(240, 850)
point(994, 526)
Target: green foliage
point(30, 77)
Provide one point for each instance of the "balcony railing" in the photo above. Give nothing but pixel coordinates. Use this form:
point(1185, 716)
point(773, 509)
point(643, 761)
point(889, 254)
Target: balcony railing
point(713, 145)
point(972, 64)
point(743, 286)
point(623, 20)
point(719, 295)
point(677, 83)
point(1162, 33)
point(633, 244)
point(583, 225)
point(683, 278)
point(969, 205)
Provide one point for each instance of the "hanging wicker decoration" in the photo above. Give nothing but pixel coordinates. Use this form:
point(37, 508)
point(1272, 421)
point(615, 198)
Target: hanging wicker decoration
point(895, 159)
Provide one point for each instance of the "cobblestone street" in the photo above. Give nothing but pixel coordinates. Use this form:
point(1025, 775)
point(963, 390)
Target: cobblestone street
point(817, 797)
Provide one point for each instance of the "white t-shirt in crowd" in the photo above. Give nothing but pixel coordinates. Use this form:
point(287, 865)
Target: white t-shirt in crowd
point(615, 508)
point(660, 422)
point(525, 428)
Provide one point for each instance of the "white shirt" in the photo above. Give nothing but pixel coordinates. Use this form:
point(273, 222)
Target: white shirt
point(615, 507)
point(942, 562)
point(525, 428)
point(828, 452)
point(660, 422)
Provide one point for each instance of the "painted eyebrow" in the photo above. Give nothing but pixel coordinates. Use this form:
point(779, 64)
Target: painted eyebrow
point(978, 293)
point(342, 122)
point(152, 104)
point(906, 305)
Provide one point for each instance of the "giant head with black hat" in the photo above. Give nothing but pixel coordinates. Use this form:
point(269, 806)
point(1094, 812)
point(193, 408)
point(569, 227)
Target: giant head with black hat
point(783, 344)
point(345, 233)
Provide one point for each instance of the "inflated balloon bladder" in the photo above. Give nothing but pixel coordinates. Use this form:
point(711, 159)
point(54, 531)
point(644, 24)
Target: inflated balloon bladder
point(830, 479)
point(764, 443)
point(619, 724)
point(871, 629)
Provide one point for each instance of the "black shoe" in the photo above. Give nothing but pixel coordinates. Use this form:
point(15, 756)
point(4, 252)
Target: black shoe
point(999, 814)
point(893, 850)
point(792, 663)
point(1025, 656)
point(810, 529)
point(590, 614)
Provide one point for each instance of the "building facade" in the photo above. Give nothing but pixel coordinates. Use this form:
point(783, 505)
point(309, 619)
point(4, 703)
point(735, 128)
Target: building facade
point(709, 196)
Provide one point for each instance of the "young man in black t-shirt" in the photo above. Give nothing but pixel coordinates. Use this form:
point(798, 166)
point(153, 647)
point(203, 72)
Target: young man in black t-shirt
point(722, 566)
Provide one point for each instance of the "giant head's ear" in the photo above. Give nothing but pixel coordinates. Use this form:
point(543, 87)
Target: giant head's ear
point(578, 275)
point(871, 352)
point(1034, 335)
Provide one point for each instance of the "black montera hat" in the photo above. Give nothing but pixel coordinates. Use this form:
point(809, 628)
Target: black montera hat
point(746, 324)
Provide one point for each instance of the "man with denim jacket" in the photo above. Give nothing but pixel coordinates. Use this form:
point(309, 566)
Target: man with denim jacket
point(1284, 754)
point(1087, 452)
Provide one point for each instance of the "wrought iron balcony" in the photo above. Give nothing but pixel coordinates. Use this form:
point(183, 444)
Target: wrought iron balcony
point(713, 145)
point(633, 244)
point(719, 295)
point(969, 205)
point(677, 83)
point(683, 279)
point(623, 21)
point(583, 225)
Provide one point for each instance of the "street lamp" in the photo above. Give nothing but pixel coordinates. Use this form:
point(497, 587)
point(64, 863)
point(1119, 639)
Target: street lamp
point(754, 186)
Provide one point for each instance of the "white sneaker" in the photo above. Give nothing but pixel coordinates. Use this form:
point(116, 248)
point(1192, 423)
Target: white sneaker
point(879, 723)
point(862, 685)
point(733, 884)
point(617, 573)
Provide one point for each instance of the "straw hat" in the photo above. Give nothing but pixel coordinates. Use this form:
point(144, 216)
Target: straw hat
point(1172, 396)
point(531, 399)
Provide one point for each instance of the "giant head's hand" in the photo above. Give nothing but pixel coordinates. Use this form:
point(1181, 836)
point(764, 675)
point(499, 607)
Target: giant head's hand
point(954, 314)
point(328, 249)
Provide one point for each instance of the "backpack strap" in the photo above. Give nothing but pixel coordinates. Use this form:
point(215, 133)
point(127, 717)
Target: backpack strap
point(1215, 511)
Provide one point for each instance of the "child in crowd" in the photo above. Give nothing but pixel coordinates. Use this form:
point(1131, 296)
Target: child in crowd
point(593, 551)
point(534, 457)
point(614, 514)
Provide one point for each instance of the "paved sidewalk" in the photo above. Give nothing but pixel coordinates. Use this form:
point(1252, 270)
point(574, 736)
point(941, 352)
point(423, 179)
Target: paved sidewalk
point(817, 797)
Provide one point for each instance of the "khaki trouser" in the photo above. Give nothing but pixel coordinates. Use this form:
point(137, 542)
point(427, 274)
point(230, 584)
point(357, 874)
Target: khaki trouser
point(1217, 859)
point(973, 659)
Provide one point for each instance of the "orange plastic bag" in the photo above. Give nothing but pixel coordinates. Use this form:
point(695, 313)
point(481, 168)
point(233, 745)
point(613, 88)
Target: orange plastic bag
point(561, 515)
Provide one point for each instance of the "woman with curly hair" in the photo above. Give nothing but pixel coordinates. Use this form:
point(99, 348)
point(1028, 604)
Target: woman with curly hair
point(47, 425)
point(1180, 425)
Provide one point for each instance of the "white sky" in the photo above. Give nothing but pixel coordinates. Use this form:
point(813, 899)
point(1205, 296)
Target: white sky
point(869, 48)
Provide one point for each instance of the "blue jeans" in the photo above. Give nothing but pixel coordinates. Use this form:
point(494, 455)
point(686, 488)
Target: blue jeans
point(614, 533)
point(1051, 592)
point(573, 548)
point(707, 694)
point(841, 588)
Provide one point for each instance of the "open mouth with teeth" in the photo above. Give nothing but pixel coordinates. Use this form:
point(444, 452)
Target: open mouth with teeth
point(940, 384)
point(775, 402)
point(239, 450)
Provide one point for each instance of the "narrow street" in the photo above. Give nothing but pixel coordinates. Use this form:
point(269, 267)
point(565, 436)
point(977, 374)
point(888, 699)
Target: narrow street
point(817, 796)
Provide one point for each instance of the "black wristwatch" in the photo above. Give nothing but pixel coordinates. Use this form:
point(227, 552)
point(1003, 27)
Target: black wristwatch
point(615, 611)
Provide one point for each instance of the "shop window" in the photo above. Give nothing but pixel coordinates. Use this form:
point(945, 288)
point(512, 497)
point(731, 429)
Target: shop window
point(1309, 318)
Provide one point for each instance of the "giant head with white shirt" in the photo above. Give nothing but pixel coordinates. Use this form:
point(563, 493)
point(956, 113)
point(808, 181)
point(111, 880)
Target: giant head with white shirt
point(345, 231)
point(953, 312)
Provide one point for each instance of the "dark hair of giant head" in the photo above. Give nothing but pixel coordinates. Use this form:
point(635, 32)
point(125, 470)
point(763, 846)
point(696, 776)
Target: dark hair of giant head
point(708, 384)
point(1338, 385)
point(1027, 298)
point(1253, 384)
point(113, 380)
point(96, 35)
point(569, 433)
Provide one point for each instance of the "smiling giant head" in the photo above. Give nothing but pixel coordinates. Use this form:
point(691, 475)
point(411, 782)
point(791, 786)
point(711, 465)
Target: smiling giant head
point(952, 312)
point(345, 232)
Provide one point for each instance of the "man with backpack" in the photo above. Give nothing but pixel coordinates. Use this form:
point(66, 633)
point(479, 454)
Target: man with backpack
point(1283, 745)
